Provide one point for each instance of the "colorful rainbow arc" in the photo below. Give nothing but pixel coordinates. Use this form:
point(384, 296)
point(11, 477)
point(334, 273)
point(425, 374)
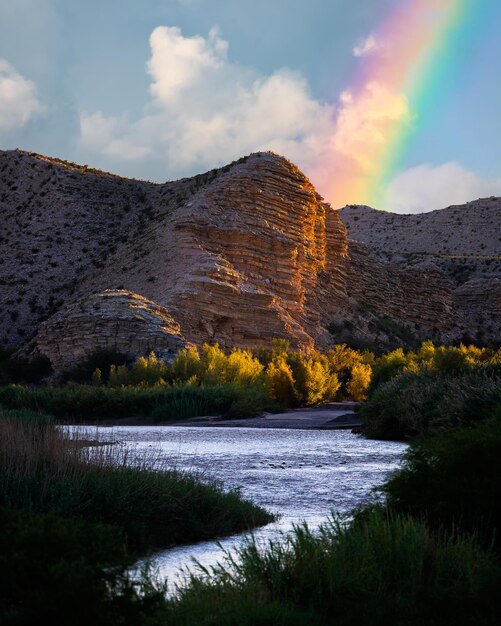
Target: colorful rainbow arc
point(415, 36)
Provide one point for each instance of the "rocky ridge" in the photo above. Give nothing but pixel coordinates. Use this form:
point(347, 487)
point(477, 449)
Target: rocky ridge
point(458, 248)
point(238, 255)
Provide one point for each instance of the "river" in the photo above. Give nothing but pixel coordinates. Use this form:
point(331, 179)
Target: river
point(302, 475)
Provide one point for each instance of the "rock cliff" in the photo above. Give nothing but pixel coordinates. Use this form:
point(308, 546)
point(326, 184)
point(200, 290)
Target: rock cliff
point(238, 255)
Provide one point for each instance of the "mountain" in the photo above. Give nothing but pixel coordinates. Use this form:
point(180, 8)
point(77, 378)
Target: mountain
point(460, 245)
point(237, 255)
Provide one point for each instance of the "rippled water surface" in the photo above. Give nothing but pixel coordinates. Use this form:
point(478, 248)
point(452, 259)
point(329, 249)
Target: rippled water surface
point(299, 474)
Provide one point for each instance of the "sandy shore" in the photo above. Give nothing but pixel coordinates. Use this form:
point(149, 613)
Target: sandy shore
point(330, 416)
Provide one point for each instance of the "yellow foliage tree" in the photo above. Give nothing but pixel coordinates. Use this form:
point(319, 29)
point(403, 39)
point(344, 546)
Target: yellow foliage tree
point(279, 381)
point(359, 382)
point(314, 382)
point(186, 366)
point(243, 368)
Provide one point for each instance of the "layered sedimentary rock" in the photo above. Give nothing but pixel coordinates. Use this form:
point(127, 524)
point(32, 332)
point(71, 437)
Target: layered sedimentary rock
point(421, 296)
point(238, 255)
point(448, 262)
point(116, 320)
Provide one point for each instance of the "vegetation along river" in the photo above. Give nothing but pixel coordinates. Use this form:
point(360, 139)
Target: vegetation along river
point(302, 475)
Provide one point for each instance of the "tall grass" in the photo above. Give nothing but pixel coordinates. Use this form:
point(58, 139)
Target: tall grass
point(42, 471)
point(454, 480)
point(379, 570)
point(84, 402)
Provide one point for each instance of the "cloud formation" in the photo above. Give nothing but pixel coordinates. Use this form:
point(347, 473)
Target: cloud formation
point(19, 101)
point(427, 187)
point(368, 46)
point(205, 110)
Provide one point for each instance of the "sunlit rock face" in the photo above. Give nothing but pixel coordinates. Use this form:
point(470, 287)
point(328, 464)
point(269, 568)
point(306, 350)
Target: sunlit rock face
point(238, 256)
point(245, 254)
point(255, 255)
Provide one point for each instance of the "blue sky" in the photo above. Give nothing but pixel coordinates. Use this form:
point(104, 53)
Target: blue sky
point(162, 89)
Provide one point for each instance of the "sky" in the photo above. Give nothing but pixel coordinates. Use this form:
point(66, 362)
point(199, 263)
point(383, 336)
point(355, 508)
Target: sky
point(392, 103)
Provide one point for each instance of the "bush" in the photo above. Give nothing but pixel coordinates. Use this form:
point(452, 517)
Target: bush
point(60, 571)
point(454, 480)
point(421, 403)
point(314, 382)
point(20, 370)
point(359, 382)
point(101, 359)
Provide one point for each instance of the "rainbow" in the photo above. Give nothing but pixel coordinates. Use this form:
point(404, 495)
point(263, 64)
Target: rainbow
point(392, 90)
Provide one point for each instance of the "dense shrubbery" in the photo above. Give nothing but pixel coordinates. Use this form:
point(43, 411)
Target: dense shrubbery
point(55, 570)
point(162, 403)
point(430, 390)
point(422, 559)
point(19, 370)
point(454, 479)
point(409, 393)
point(198, 382)
point(73, 519)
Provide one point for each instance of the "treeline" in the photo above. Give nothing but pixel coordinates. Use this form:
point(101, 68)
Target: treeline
point(205, 381)
point(407, 393)
point(291, 378)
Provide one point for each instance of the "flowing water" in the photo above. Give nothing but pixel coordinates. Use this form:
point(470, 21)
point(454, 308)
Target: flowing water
point(302, 475)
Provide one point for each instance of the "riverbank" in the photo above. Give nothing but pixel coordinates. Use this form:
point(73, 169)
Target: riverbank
point(331, 416)
point(300, 474)
point(74, 518)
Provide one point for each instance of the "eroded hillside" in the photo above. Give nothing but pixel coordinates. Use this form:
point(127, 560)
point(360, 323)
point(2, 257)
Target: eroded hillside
point(238, 255)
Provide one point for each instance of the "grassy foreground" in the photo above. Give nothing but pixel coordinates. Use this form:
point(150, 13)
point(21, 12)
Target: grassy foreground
point(379, 570)
point(42, 471)
point(74, 518)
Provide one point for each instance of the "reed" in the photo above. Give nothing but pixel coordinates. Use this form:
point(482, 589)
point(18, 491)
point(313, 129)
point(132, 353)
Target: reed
point(380, 569)
point(42, 471)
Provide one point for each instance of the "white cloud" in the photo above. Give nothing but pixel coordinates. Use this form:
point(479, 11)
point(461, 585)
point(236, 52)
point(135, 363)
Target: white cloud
point(350, 154)
point(205, 110)
point(19, 102)
point(177, 62)
point(368, 46)
point(427, 187)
